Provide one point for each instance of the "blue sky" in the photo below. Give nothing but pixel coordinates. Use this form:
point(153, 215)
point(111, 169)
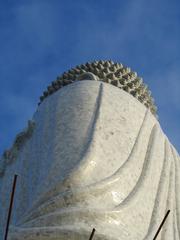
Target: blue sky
point(41, 39)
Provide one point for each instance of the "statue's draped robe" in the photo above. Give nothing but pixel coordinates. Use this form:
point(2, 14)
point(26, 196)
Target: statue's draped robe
point(97, 159)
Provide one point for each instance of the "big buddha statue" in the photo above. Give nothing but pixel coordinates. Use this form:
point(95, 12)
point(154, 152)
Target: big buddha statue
point(93, 156)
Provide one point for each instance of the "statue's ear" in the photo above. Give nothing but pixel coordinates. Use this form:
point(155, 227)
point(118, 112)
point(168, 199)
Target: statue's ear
point(87, 76)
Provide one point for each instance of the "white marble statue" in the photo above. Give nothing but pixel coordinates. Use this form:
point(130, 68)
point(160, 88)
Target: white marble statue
point(93, 156)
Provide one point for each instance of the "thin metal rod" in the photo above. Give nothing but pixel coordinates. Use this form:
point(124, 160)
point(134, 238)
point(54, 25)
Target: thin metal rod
point(163, 221)
point(92, 234)
point(10, 206)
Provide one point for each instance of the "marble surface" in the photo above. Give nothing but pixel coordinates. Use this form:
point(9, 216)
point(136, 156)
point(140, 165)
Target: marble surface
point(97, 158)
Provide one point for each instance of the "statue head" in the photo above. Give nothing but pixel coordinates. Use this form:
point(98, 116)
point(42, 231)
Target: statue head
point(109, 72)
point(90, 160)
